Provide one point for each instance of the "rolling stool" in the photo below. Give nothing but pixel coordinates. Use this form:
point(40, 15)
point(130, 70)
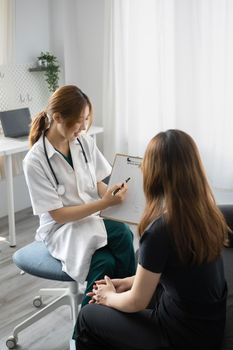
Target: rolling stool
point(36, 260)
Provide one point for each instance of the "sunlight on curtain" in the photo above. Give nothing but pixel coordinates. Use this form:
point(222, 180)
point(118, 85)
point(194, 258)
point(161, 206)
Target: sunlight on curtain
point(139, 73)
point(7, 20)
point(204, 83)
point(169, 64)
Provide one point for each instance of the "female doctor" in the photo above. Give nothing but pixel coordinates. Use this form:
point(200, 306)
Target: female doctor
point(64, 171)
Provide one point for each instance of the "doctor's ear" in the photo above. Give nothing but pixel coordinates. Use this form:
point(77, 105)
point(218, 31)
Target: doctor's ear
point(57, 117)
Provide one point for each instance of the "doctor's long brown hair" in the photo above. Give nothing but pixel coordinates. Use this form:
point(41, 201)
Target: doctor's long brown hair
point(67, 100)
point(175, 186)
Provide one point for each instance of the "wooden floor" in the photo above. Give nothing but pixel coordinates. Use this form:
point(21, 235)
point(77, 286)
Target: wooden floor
point(53, 332)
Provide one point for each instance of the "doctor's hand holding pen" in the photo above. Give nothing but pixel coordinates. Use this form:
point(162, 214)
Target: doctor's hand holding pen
point(115, 194)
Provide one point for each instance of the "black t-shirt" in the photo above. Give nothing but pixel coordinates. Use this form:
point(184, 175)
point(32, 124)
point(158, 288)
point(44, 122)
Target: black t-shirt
point(192, 307)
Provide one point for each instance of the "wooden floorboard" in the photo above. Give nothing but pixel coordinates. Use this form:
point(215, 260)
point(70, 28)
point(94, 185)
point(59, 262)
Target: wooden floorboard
point(17, 291)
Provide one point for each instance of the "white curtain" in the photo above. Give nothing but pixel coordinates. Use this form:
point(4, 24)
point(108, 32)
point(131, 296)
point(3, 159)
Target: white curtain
point(7, 31)
point(169, 64)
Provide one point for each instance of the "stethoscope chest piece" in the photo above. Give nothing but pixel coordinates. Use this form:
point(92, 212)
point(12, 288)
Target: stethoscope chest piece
point(61, 190)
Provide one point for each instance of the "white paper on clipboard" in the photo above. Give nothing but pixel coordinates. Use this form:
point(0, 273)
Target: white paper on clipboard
point(131, 209)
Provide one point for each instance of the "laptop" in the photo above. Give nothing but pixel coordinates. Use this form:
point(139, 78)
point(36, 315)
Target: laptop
point(16, 122)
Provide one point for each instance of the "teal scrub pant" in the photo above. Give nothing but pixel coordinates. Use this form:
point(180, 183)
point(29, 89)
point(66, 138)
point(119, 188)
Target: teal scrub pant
point(116, 259)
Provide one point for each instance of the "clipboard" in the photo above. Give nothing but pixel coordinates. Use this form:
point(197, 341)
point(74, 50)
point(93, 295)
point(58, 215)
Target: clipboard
point(131, 210)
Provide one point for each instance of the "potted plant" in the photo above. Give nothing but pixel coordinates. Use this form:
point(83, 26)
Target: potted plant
point(50, 62)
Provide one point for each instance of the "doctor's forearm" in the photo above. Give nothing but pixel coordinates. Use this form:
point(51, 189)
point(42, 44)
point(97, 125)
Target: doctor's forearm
point(68, 214)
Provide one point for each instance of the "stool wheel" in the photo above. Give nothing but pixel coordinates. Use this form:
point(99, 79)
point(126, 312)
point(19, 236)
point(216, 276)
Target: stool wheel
point(37, 301)
point(11, 342)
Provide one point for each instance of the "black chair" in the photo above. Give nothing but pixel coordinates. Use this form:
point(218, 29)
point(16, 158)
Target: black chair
point(227, 211)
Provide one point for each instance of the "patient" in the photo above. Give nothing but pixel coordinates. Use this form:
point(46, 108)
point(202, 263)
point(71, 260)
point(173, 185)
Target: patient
point(182, 234)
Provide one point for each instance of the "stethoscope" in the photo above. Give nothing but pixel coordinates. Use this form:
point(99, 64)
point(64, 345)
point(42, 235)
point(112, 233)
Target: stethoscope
point(61, 188)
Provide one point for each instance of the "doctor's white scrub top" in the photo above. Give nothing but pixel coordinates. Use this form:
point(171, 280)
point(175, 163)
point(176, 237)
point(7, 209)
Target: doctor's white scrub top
point(75, 242)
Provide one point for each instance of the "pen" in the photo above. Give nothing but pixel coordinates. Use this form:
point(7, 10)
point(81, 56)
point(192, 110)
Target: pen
point(118, 189)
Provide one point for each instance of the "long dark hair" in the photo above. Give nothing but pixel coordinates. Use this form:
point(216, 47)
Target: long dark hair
point(67, 100)
point(175, 186)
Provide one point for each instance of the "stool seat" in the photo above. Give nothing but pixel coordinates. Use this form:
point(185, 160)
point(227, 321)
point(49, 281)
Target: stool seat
point(36, 260)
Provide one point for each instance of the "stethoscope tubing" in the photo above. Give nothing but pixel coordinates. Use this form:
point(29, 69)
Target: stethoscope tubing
point(48, 161)
point(84, 153)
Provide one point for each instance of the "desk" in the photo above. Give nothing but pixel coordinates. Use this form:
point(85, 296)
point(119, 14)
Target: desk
point(8, 147)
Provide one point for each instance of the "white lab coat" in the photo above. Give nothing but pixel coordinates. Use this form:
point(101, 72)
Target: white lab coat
point(75, 242)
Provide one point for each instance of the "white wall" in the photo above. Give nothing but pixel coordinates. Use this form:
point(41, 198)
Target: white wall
point(56, 29)
point(74, 31)
point(31, 29)
point(90, 45)
point(77, 38)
